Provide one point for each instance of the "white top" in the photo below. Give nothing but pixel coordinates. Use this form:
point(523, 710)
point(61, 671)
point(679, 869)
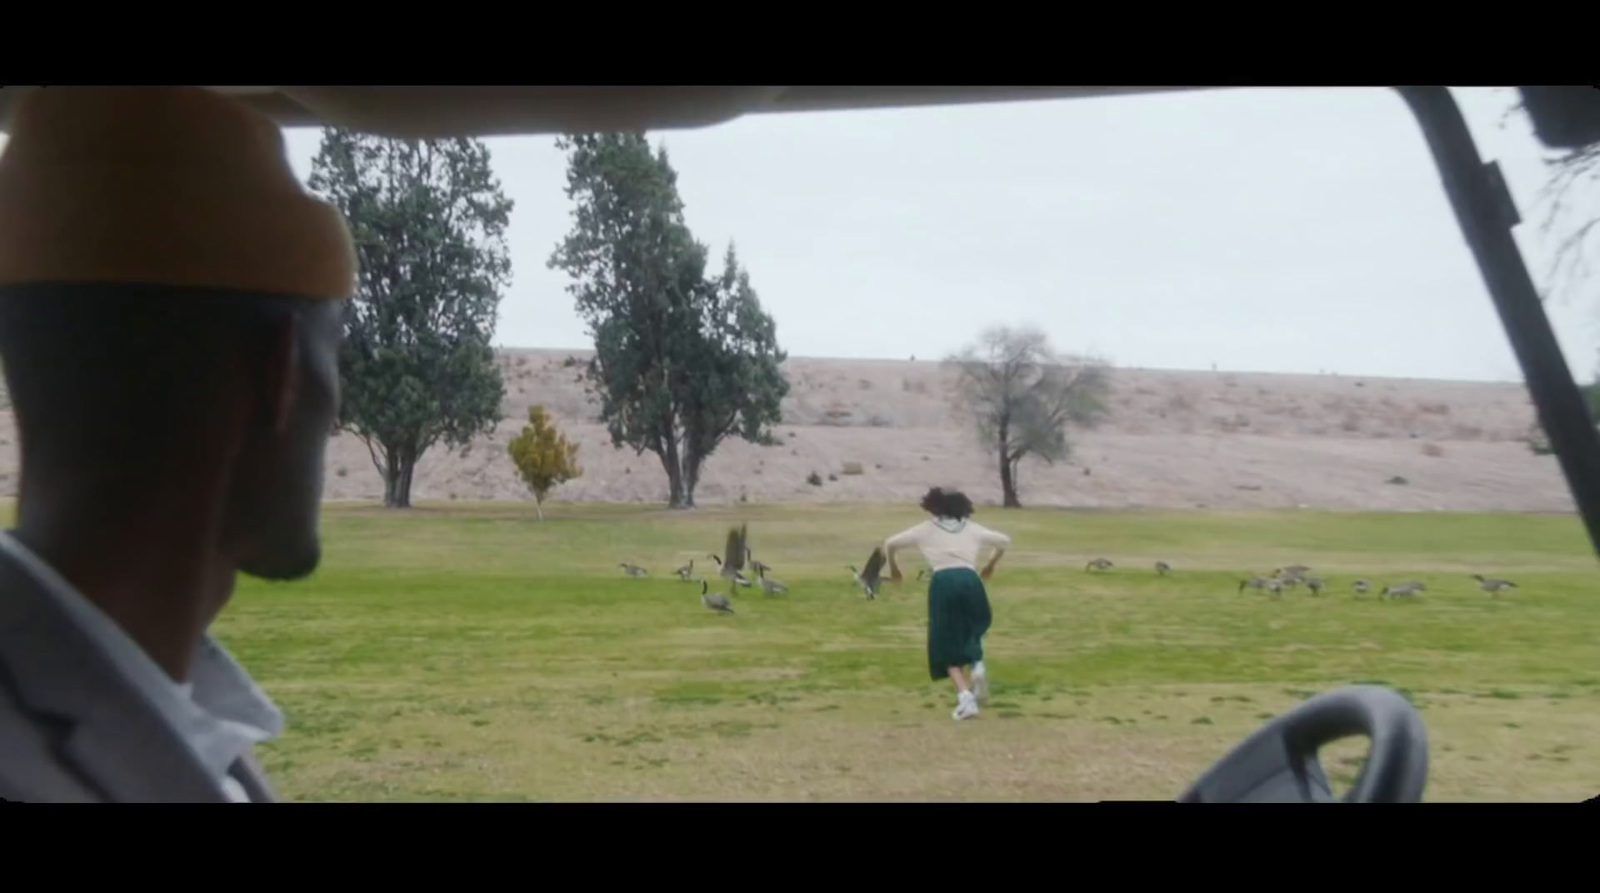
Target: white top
point(948, 543)
point(220, 714)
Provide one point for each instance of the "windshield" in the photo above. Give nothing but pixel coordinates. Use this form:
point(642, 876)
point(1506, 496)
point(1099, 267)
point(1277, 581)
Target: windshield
point(1217, 366)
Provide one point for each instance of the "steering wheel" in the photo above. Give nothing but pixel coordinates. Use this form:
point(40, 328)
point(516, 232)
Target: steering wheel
point(1278, 764)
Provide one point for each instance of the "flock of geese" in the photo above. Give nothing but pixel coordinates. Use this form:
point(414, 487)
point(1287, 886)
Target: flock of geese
point(1285, 578)
point(736, 557)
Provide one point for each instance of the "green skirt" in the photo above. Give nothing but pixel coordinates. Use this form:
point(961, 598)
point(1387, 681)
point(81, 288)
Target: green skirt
point(958, 617)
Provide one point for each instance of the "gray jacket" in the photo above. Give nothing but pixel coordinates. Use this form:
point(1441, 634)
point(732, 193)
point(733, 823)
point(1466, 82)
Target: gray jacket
point(73, 728)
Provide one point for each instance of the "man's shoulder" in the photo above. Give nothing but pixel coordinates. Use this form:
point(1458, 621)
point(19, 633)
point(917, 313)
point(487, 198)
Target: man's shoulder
point(30, 769)
point(73, 725)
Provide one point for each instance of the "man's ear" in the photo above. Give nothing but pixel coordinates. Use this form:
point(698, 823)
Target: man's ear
point(281, 381)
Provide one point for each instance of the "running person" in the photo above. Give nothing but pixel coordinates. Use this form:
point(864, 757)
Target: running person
point(958, 603)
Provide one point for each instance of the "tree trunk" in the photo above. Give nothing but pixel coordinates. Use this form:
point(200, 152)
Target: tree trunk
point(1008, 483)
point(669, 462)
point(398, 467)
point(537, 508)
point(691, 477)
point(391, 477)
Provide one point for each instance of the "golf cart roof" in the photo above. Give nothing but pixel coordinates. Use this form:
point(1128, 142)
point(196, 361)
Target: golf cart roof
point(532, 110)
point(1563, 116)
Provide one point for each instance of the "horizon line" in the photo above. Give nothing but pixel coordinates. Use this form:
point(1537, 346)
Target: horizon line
point(1174, 369)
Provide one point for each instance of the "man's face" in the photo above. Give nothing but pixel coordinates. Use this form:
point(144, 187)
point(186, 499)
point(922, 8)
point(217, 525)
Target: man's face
point(278, 492)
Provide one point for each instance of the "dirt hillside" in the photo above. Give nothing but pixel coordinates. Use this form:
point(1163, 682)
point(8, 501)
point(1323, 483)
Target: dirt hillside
point(1174, 440)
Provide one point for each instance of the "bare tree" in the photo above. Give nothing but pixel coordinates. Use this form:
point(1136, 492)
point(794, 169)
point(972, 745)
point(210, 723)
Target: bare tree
point(1571, 208)
point(1570, 197)
point(1571, 224)
point(1023, 396)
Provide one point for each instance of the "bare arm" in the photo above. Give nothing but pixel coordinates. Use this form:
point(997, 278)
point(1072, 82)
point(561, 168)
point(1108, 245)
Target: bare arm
point(993, 560)
point(894, 544)
point(997, 541)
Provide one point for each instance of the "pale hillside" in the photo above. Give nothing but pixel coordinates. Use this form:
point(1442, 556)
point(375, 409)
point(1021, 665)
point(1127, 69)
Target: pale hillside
point(1175, 440)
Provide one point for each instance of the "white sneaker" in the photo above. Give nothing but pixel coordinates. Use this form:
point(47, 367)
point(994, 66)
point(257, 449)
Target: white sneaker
point(966, 707)
point(980, 686)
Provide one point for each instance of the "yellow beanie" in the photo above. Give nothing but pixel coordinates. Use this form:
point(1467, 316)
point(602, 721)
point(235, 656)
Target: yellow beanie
point(167, 186)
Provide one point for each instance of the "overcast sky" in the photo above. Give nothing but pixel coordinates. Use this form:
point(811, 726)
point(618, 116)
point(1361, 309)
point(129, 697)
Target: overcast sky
point(1293, 230)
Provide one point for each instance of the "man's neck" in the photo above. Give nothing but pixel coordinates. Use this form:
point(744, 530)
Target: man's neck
point(163, 587)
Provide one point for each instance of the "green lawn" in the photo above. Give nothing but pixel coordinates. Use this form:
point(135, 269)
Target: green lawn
point(474, 653)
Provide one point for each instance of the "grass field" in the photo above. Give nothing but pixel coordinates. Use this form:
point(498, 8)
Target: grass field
point(474, 653)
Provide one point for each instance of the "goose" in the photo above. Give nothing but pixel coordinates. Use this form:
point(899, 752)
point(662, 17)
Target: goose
point(870, 579)
point(1315, 584)
point(771, 586)
point(757, 566)
point(1162, 568)
point(922, 575)
point(729, 574)
point(686, 573)
point(716, 601)
point(1275, 587)
point(1099, 564)
point(731, 565)
point(1491, 585)
point(1361, 587)
point(1406, 589)
point(1253, 583)
point(1290, 576)
point(633, 570)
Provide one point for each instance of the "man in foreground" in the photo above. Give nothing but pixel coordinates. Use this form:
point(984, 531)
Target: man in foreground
point(170, 306)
